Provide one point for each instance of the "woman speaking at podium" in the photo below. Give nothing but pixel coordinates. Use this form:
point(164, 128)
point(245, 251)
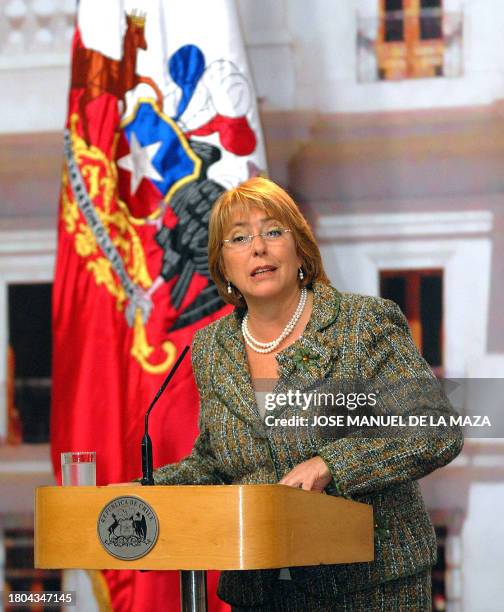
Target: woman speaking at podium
point(290, 322)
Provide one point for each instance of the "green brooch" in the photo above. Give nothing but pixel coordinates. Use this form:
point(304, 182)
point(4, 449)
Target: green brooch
point(304, 358)
point(381, 527)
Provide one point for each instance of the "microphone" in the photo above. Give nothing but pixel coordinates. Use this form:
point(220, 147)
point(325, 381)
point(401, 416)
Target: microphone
point(147, 469)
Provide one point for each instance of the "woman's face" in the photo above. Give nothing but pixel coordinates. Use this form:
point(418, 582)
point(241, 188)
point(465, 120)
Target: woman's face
point(263, 268)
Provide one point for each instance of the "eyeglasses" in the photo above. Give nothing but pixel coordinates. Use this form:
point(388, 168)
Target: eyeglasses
point(240, 241)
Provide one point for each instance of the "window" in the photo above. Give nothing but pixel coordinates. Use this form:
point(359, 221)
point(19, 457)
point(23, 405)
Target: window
point(419, 294)
point(29, 362)
point(26, 271)
point(410, 41)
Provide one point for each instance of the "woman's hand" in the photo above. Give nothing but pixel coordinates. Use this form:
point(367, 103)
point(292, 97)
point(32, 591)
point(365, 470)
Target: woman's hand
point(311, 475)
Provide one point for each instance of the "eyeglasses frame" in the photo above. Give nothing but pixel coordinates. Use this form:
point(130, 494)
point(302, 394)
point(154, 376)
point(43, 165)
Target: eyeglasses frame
point(251, 237)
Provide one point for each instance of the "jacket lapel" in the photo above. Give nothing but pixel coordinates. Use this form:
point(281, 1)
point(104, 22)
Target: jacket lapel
point(231, 379)
point(309, 361)
point(302, 364)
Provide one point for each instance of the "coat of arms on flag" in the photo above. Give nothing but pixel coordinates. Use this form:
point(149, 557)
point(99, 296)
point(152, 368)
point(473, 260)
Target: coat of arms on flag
point(148, 161)
point(162, 119)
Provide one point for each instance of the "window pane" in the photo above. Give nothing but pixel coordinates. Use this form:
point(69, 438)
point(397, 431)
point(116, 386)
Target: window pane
point(419, 294)
point(430, 20)
point(430, 28)
point(393, 5)
point(394, 24)
point(431, 316)
point(394, 29)
point(31, 342)
point(394, 288)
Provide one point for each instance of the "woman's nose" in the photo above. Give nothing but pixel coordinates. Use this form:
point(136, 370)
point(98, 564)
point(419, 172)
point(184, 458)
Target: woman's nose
point(258, 244)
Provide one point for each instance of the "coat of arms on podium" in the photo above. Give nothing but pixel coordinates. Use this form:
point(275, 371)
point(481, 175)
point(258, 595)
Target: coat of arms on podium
point(128, 527)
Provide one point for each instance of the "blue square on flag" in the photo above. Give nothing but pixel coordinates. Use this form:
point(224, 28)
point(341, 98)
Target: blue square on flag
point(158, 152)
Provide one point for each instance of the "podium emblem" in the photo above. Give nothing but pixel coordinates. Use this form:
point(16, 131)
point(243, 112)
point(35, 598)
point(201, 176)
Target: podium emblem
point(128, 527)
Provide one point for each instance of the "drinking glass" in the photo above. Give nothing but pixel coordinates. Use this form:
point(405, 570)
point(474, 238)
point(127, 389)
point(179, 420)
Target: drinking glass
point(78, 469)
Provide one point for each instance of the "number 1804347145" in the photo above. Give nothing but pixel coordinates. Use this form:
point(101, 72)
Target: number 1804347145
point(48, 598)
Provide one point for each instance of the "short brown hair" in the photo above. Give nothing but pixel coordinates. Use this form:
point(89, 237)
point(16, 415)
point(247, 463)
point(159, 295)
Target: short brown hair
point(261, 193)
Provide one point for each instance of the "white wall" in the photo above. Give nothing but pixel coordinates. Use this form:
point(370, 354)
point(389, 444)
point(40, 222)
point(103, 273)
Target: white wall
point(33, 99)
point(320, 47)
point(34, 64)
point(303, 57)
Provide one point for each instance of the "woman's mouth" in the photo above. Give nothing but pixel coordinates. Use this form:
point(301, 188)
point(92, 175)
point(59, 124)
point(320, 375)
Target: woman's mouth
point(262, 271)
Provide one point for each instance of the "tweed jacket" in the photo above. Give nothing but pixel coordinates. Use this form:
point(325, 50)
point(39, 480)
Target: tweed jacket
point(348, 335)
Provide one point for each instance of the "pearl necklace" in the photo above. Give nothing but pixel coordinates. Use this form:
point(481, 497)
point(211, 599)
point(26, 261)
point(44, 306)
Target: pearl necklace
point(267, 347)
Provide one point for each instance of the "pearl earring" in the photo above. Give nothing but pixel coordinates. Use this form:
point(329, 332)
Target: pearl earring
point(301, 275)
point(229, 289)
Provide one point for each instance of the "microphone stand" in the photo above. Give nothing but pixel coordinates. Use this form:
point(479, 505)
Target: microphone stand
point(147, 463)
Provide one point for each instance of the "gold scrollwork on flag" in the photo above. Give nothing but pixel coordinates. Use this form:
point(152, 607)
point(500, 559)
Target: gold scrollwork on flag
point(99, 173)
point(141, 350)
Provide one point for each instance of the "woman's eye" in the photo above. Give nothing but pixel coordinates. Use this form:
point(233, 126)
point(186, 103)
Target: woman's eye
point(274, 232)
point(238, 239)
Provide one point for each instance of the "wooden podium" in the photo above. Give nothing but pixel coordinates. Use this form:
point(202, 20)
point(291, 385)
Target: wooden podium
point(218, 527)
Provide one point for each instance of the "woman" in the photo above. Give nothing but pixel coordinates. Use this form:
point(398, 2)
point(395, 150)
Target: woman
point(290, 323)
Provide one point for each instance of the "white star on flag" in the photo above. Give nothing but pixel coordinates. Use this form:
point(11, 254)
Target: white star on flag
point(139, 162)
